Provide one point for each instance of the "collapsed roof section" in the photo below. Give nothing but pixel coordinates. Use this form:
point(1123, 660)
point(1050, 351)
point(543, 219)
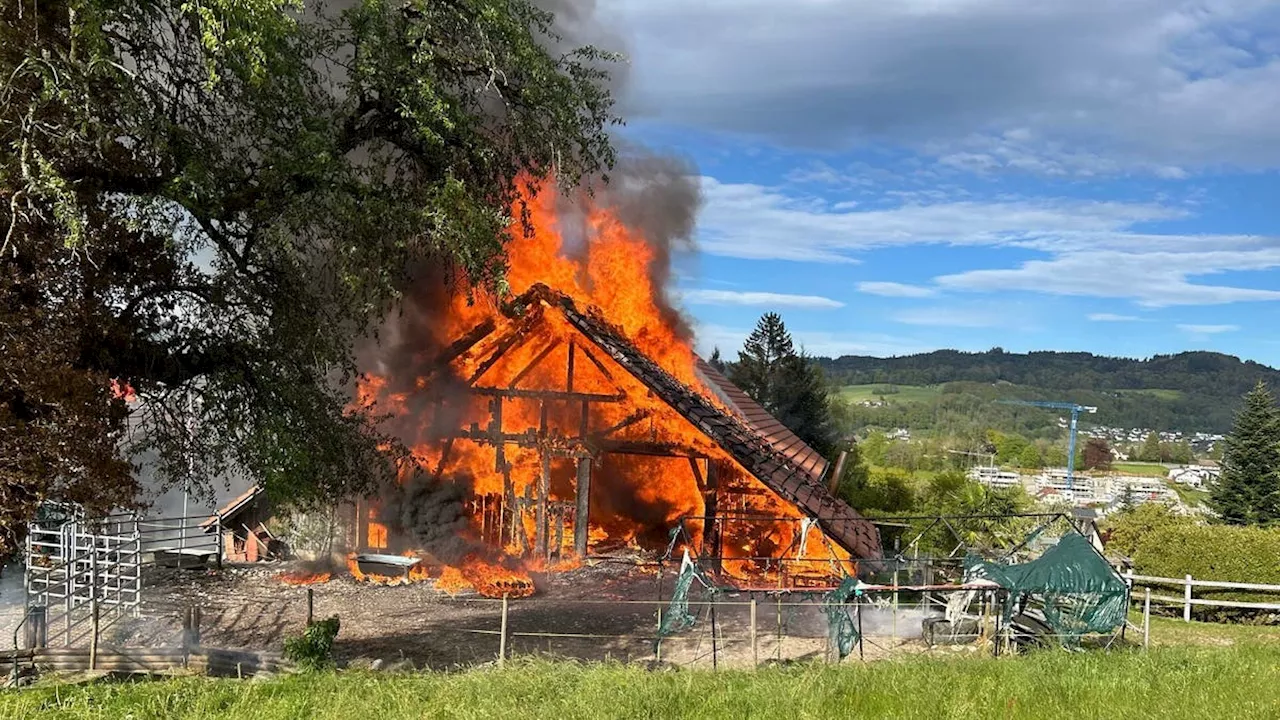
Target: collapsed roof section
point(778, 459)
point(764, 424)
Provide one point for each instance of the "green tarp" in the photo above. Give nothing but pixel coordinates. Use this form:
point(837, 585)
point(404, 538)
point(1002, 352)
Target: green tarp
point(1078, 589)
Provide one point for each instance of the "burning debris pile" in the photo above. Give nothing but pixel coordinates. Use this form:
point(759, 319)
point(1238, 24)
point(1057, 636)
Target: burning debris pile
point(572, 420)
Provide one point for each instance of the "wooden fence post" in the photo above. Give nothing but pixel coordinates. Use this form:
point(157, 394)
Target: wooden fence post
point(502, 634)
point(755, 654)
point(1186, 608)
point(1146, 619)
point(311, 606)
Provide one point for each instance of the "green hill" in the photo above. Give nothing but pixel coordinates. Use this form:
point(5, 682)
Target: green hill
point(1190, 392)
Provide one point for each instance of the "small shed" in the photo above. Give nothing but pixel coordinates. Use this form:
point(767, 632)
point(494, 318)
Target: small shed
point(243, 521)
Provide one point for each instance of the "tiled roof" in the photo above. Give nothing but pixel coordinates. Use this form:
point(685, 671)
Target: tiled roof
point(749, 447)
point(766, 425)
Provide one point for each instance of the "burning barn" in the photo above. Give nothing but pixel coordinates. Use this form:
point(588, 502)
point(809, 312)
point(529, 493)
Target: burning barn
point(574, 419)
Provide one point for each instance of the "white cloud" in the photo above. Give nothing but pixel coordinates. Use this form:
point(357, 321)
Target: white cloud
point(1112, 317)
point(1091, 248)
point(960, 316)
point(1208, 329)
point(1155, 278)
point(895, 289)
point(755, 222)
point(1085, 88)
point(756, 299)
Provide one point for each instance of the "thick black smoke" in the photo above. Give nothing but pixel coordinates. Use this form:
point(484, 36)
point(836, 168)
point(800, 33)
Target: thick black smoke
point(431, 514)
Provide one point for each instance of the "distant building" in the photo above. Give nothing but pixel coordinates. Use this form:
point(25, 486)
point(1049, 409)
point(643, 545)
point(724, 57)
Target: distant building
point(996, 478)
point(1194, 476)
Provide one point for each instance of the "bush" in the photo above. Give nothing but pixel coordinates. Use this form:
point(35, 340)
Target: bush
point(1214, 552)
point(1129, 527)
point(313, 649)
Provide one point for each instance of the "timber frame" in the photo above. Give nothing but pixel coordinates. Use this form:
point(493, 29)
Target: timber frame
point(502, 516)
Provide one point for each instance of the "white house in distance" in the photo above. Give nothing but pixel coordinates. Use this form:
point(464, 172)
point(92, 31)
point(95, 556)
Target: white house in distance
point(1194, 476)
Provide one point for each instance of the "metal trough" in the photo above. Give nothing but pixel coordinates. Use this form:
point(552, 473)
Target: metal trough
point(385, 565)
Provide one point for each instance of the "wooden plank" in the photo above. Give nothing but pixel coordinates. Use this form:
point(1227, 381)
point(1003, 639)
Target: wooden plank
point(1206, 583)
point(582, 517)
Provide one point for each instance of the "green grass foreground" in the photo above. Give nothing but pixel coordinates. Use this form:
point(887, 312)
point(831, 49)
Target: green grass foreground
point(1176, 682)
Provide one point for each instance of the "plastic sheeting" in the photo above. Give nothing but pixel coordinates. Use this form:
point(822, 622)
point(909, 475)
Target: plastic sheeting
point(1080, 593)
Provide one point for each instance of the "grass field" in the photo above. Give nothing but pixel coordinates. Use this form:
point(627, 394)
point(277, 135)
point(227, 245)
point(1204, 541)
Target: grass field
point(1173, 682)
point(1155, 392)
point(1194, 670)
point(1141, 468)
point(903, 394)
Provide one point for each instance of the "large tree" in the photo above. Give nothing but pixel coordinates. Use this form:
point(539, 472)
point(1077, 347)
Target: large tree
point(212, 201)
point(788, 384)
point(1248, 492)
point(1097, 454)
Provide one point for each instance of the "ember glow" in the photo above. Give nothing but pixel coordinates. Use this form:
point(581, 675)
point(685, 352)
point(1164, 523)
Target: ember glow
point(521, 407)
point(303, 578)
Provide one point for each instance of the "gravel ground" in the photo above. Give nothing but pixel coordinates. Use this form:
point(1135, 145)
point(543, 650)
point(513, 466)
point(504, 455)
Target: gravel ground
point(602, 611)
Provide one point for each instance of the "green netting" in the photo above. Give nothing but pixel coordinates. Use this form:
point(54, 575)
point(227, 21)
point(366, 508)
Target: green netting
point(840, 627)
point(677, 617)
point(1079, 592)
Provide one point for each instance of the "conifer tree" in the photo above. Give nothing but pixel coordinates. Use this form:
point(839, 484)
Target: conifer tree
point(1248, 493)
point(788, 384)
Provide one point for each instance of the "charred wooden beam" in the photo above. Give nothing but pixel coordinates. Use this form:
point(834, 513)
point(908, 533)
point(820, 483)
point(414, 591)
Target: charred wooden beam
point(568, 381)
point(540, 512)
point(628, 447)
point(465, 343)
point(516, 336)
point(444, 457)
point(697, 473)
point(628, 421)
point(548, 394)
point(495, 432)
point(555, 444)
point(533, 364)
point(711, 533)
point(599, 365)
point(582, 515)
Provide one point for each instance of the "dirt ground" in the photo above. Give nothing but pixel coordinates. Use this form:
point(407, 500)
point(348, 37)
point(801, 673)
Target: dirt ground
point(606, 610)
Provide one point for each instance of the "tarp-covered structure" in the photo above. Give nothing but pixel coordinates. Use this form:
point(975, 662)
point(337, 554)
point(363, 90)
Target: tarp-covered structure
point(1078, 591)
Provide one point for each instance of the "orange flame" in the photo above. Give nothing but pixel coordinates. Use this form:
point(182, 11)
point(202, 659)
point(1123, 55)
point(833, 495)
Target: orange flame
point(300, 578)
point(636, 498)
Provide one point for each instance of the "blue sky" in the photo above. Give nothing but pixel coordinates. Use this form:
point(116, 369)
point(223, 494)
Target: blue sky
point(898, 177)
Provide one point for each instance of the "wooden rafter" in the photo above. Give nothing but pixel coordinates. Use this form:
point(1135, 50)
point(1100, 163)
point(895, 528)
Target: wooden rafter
point(533, 364)
point(547, 394)
point(628, 421)
point(518, 335)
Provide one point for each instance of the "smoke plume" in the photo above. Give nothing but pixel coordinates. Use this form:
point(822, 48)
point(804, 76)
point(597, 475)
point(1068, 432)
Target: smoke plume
point(433, 515)
point(655, 195)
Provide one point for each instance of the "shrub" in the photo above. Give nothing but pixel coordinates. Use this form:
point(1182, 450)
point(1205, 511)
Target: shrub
point(1129, 527)
point(1214, 552)
point(313, 649)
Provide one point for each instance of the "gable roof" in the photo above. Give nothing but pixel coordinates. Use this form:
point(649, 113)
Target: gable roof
point(758, 419)
point(781, 472)
point(234, 507)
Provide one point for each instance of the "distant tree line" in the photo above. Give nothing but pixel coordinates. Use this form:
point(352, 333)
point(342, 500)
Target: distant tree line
point(1199, 381)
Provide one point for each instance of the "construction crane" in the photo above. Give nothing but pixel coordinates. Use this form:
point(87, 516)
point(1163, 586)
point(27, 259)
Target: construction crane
point(1075, 417)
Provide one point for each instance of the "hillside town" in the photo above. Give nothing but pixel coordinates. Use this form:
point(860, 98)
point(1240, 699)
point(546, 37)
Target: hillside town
point(1104, 493)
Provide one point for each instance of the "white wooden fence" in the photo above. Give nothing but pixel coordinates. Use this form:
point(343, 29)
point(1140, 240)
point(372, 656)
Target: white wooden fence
point(1188, 583)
